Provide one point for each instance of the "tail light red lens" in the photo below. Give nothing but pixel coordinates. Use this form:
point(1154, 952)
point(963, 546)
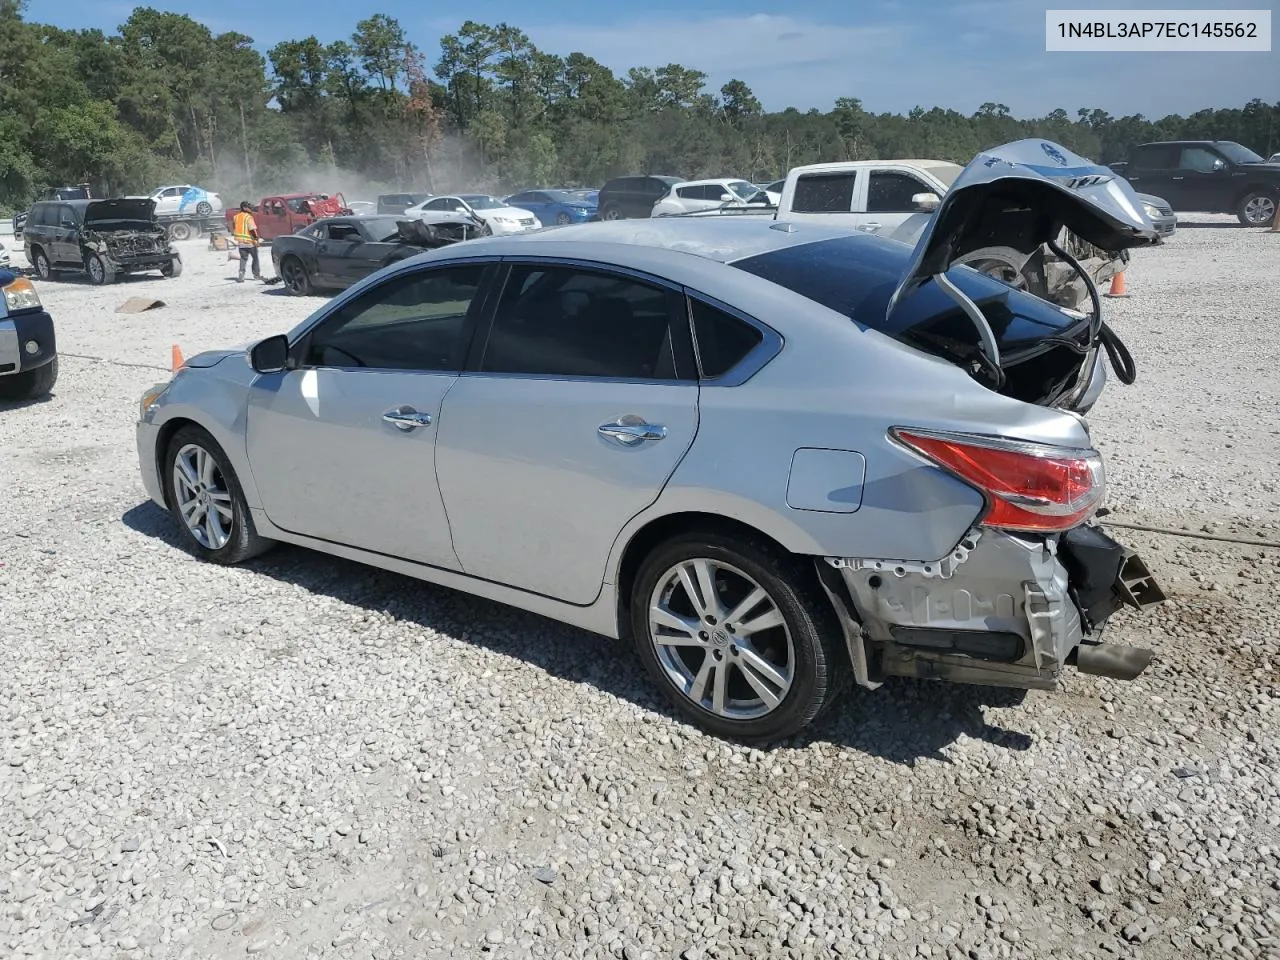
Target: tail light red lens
point(1028, 486)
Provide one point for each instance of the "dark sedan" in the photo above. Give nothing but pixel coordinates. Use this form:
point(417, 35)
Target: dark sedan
point(334, 253)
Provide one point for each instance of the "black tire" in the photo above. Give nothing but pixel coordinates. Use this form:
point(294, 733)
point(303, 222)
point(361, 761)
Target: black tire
point(30, 383)
point(612, 212)
point(1002, 263)
point(40, 260)
point(295, 276)
point(204, 208)
point(172, 269)
point(243, 541)
point(99, 271)
point(816, 661)
point(1257, 208)
point(180, 230)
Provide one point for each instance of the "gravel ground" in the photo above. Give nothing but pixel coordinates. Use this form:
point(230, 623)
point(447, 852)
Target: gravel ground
point(305, 758)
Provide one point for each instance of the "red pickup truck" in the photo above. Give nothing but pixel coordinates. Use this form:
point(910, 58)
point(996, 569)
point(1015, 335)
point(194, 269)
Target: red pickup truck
point(286, 213)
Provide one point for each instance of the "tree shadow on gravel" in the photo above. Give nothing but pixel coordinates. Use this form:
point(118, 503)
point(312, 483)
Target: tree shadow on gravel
point(903, 722)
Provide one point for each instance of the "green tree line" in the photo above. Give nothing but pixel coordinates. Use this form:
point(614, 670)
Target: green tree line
point(166, 100)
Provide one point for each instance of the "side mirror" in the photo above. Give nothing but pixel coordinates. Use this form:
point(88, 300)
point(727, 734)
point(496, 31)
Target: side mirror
point(727, 198)
point(925, 202)
point(270, 355)
point(459, 209)
point(1219, 165)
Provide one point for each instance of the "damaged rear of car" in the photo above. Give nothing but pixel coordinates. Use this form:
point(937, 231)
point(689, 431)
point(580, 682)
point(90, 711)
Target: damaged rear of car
point(1027, 589)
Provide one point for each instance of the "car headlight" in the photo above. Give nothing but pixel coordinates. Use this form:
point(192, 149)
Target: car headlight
point(20, 294)
point(149, 399)
point(1151, 211)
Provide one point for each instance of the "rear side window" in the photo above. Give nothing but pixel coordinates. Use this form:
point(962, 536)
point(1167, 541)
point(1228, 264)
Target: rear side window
point(824, 193)
point(1154, 158)
point(722, 340)
point(562, 321)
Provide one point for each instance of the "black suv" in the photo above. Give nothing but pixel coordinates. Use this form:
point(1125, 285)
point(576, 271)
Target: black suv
point(625, 197)
point(80, 192)
point(103, 238)
point(399, 202)
point(1206, 176)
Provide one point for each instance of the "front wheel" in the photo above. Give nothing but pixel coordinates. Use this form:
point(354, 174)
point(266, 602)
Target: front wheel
point(205, 496)
point(737, 635)
point(563, 219)
point(296, 279)
point(1256, 209)
point(99, 271)
point(172, 269)
point(44, 269)
point(30, 383)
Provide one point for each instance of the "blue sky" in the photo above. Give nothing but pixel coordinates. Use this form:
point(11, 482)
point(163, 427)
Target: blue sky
point(893, 54)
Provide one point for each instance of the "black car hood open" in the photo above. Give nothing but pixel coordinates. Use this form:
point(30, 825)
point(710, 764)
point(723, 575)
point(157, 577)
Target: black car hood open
point(120, 208)
point(1059, 188)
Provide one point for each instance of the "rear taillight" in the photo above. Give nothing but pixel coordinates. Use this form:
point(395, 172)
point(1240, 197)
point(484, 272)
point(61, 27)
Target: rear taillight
point(1028, 486)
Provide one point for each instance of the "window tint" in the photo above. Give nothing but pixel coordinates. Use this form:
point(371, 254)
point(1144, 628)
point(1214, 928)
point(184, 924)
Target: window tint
point(444, 203)
point(1154, 158)
point(689, 193)
point(559, 321)
point(892, 192)
point(1198, 159)
point(343, 231)
point(722, 339)
point(824, 193)
point(416, 321)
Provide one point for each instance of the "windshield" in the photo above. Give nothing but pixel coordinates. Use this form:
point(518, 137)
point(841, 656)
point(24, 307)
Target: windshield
point(382, 229)
point(946, 173)
point(562, 196)
point(743, 189)
point(1237, 153)
point(478, 202)
point(857, 275)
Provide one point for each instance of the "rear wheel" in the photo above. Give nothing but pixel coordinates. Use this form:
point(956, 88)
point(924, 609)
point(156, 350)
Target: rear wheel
point(204, 208)
point(296, 279)
point(205, 496)
point(44, 269)
point(611, 212)
point(30, 383)
point(737, 635)
point(1000, 263)
point(180, 230)
point(1256, 209)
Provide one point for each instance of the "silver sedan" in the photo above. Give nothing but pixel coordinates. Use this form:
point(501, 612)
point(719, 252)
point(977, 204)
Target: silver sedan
point(772, 456)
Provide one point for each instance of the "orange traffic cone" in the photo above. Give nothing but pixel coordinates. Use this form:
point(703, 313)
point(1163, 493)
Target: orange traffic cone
point(176, 359)
point(1117, 286)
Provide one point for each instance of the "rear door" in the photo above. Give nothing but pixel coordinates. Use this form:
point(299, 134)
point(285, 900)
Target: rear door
point(580, 407)
point(65, 231)
point(1153, 168)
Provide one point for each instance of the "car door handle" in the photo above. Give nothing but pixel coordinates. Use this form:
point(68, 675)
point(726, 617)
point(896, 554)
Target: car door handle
point(1177, 178)
point(406, 418)
point(631, 431)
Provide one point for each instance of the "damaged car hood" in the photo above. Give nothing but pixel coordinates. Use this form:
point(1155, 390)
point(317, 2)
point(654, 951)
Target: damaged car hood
point(1061, 188)
point(120, 208)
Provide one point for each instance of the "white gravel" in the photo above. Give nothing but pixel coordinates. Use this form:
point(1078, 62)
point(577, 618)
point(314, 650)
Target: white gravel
point(305, 758)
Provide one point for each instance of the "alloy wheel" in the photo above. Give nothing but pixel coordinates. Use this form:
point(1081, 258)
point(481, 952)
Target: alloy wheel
point(295, 276)
point(1260, 211)
point(97, 273)
point(203, 497)
point(721, 639)
point(42, 266)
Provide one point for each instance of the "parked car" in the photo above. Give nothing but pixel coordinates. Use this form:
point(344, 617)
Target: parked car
point(399, 202)
point(186, 199)
point(362, 208)
point(500, 218)
point(768, 458)
point(5, 260)
point(553, 206)
point(1206, 176)
point(79, 192)
point(590, 196)
point(773, 190)
point(28, 348)
point(335, 253)
point(286, 213)
point(625, 197)
point(694, 195)
point(104, 239)
point(1160, 212)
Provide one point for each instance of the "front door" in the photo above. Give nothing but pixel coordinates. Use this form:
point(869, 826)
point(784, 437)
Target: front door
point(573, 424)
point(885, 204)
point(336, 250)
point(1205, 186)
point(343, 447)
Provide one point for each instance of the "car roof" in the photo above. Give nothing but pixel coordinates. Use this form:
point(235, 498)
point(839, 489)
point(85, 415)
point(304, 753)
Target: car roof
point(651, 241)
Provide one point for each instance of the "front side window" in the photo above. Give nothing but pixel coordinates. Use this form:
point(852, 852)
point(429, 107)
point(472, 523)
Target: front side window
point(824, 193)
point(343, 231)
point(415, 321)
point(1198, 159)
point(444, 203)
point(563, 321)
point(892, 192)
